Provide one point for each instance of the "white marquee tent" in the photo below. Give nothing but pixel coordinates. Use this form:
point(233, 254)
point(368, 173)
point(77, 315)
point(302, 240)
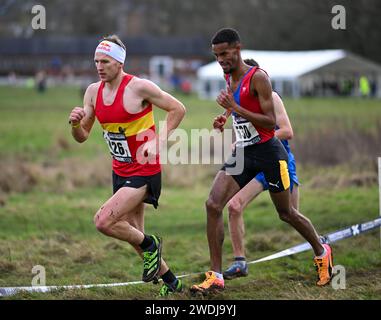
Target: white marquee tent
point(295, 73)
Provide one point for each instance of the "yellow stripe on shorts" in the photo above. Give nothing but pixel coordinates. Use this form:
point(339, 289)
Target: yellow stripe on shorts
point(284, 174)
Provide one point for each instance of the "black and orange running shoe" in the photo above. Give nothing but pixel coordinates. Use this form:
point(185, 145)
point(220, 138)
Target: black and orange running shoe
point(211, 284)
point(324, 266)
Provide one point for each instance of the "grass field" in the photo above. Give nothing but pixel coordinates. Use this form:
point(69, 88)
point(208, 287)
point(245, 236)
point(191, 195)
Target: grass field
point(50, 188)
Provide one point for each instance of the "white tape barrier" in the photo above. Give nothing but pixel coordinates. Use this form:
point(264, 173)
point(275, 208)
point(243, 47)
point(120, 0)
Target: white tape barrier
point(13, 290)
point(329, 238)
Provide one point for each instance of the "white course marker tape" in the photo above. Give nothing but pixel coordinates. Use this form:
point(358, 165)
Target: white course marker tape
point(9, 291)
point(329, 238)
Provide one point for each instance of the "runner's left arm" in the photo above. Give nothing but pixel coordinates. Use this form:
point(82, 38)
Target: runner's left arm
point(163, 100)
point(285, 131)
point(262, 85)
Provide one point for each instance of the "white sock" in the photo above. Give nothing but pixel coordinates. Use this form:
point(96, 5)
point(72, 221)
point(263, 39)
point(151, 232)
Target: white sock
point(323, 254)
point(219, 275)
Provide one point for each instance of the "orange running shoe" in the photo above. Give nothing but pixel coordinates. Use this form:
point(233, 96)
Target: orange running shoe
point(210, 284)
point(324, 266)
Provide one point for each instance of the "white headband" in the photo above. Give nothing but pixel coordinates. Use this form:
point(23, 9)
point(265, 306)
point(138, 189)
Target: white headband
point(112, 49)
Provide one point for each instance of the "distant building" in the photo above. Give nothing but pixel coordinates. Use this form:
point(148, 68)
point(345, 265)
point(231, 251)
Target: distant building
point(164, 59)
point(302, 73)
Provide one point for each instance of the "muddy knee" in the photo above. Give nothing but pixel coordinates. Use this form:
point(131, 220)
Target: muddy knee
point(103, 220)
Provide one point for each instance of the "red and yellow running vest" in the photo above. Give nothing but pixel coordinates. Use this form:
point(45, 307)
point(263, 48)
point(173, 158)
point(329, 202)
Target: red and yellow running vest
point(246, 133)
point(125, 133)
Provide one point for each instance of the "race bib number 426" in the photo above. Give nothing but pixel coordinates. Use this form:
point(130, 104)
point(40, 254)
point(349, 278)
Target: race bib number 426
point(118, 146)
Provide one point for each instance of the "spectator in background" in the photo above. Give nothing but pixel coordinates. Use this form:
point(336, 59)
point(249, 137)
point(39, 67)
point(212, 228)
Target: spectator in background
point(186, 86)
point(175, 81)
point(56, 66)
point(12, 78)
point(364, 87)
point(41, 81)
point(373, 87)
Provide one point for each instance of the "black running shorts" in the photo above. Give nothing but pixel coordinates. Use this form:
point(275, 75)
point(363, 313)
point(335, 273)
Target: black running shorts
point(269, 157)
point(153, 185)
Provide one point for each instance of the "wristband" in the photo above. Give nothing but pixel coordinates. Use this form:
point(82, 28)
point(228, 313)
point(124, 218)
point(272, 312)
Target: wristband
point(76, 125)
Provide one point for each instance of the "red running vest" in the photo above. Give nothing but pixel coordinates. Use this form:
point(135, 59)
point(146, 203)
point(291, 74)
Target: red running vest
point(125, 133)
point(246, 133)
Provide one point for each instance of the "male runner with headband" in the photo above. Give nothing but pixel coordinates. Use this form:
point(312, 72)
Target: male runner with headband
point(249, 98)
point(123, 103)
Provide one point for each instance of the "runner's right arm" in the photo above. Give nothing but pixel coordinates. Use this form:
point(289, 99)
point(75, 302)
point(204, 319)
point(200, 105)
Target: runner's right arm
point(82, 119)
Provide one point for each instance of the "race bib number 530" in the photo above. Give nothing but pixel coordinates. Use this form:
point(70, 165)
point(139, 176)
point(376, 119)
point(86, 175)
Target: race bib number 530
point(118, 146)
point(246, 134)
